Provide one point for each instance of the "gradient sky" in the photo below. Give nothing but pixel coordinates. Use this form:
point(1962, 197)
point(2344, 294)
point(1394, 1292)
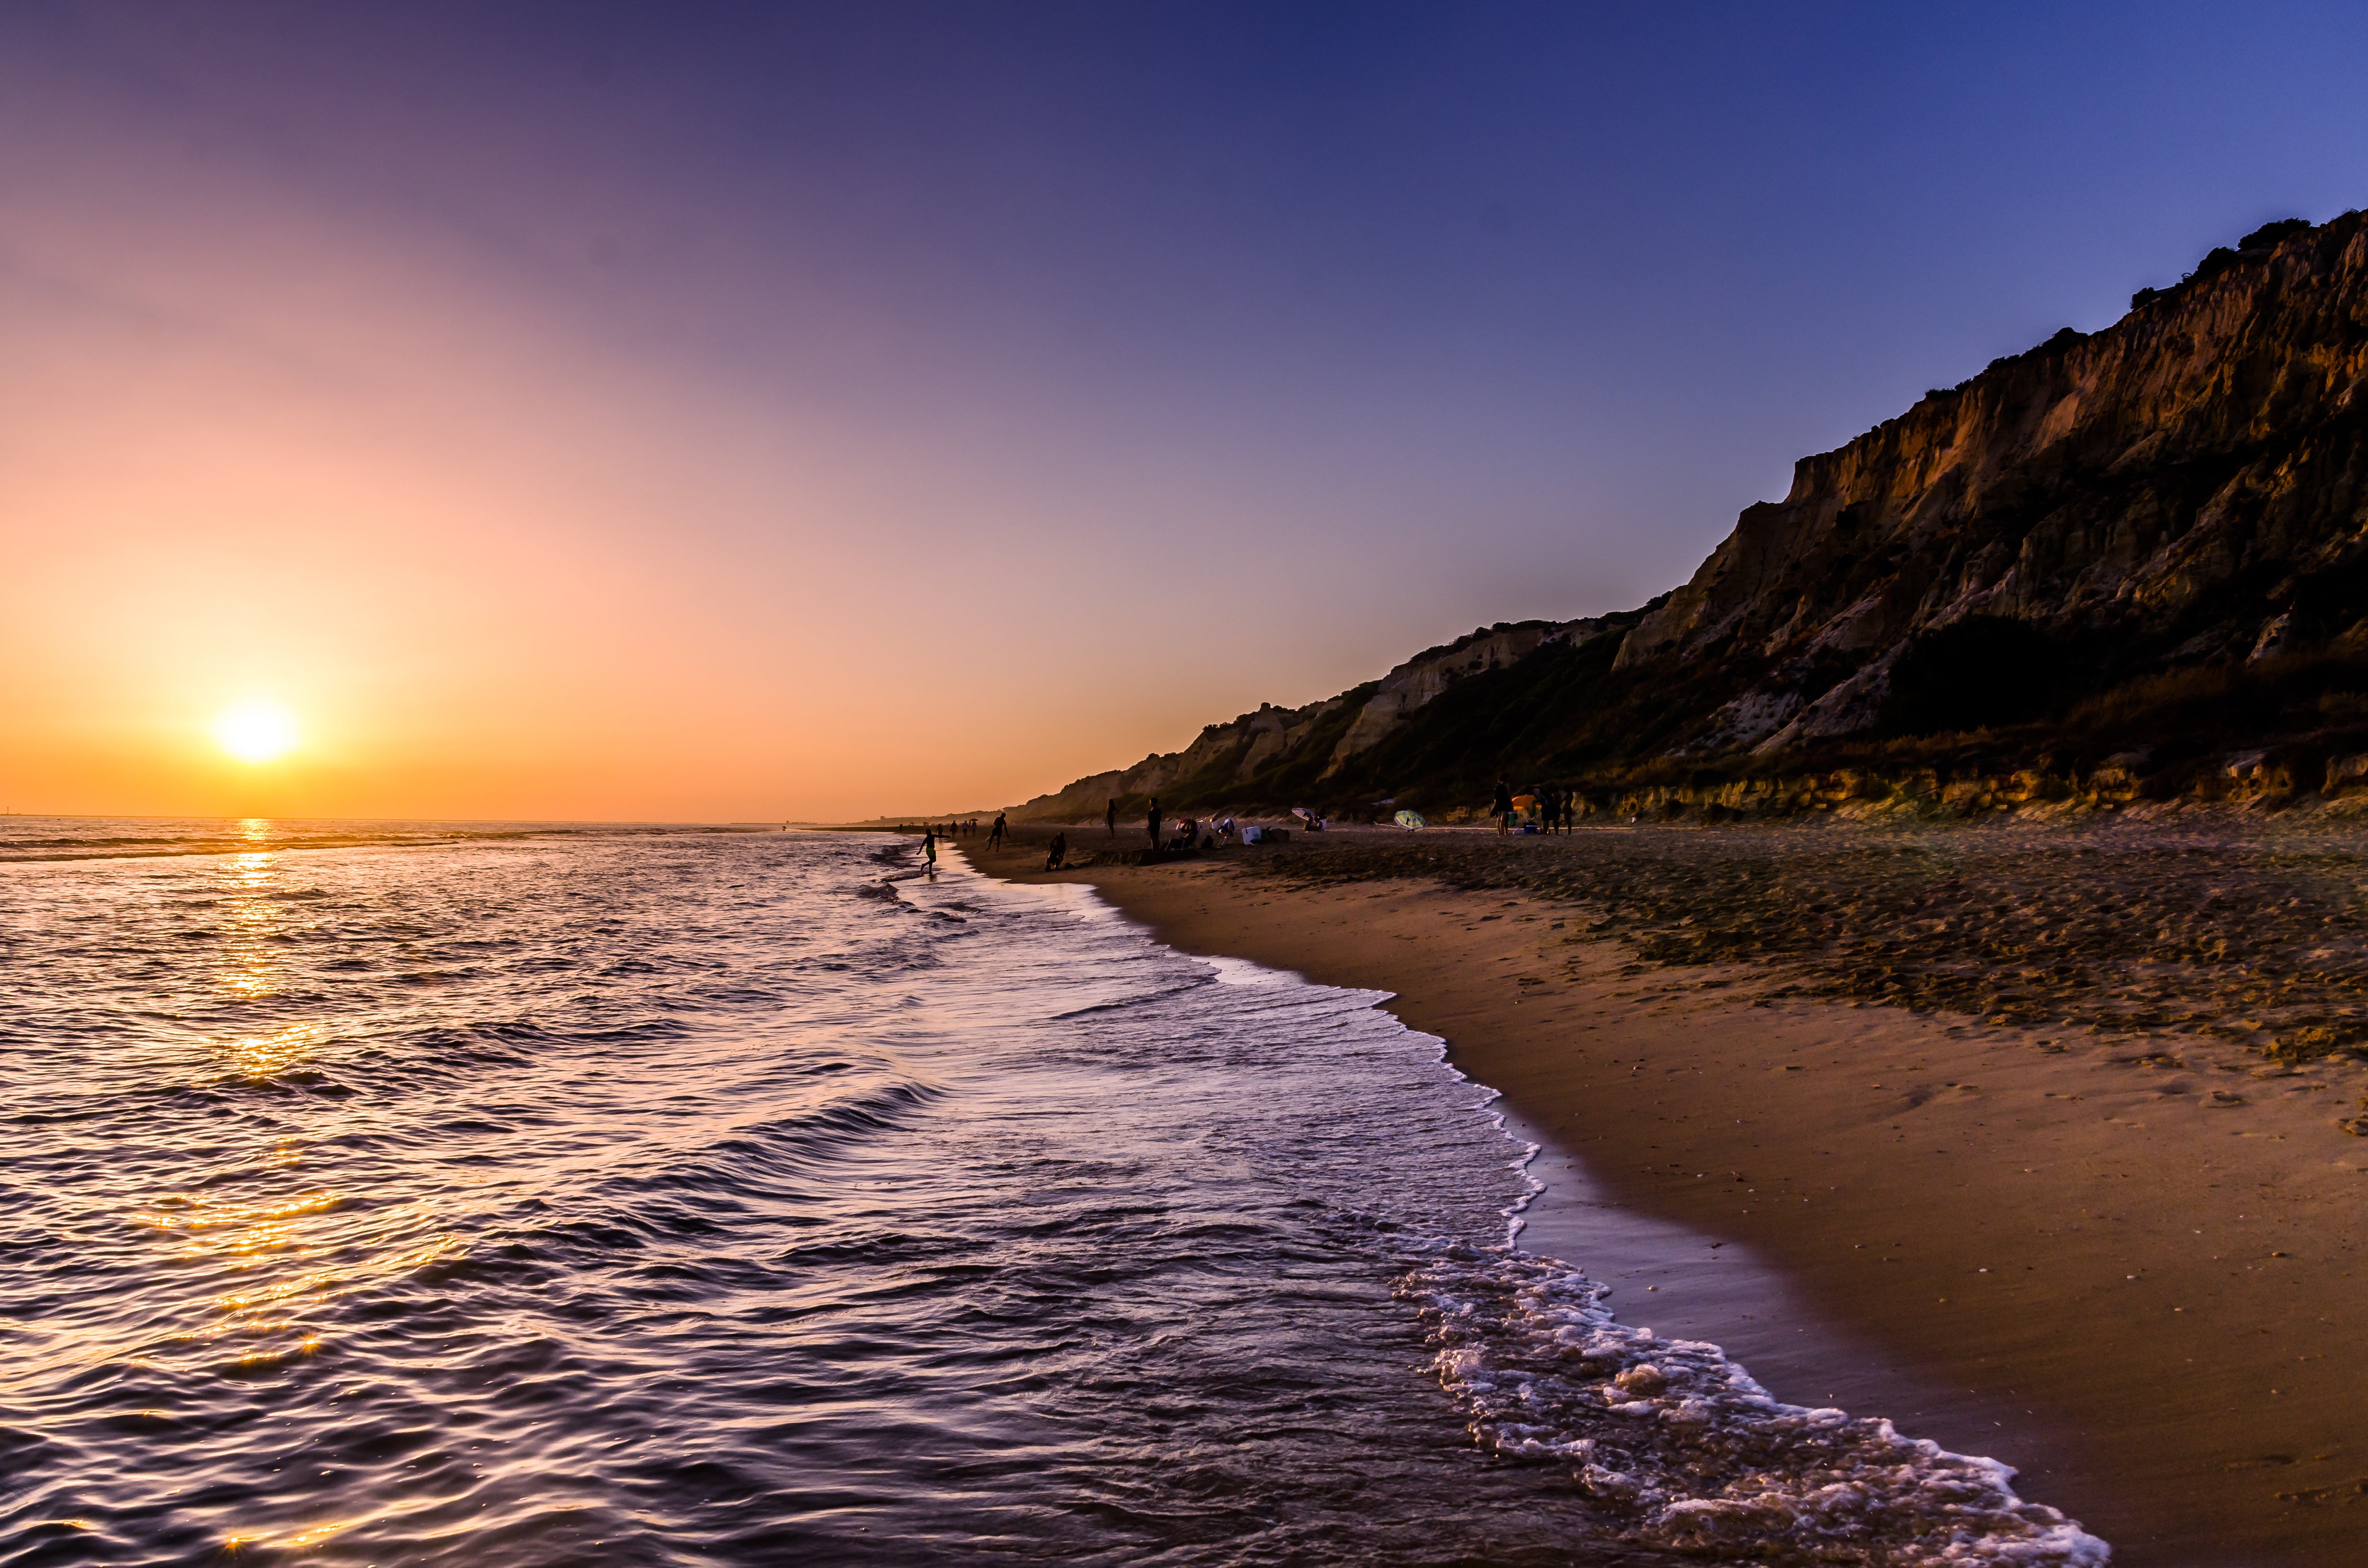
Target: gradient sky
point(734, 411)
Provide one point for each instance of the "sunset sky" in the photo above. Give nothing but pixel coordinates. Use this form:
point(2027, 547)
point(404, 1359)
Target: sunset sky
point(736, 412)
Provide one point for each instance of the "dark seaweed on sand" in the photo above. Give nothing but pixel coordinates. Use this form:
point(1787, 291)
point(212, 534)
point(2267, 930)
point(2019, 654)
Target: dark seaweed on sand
point(2262, 941)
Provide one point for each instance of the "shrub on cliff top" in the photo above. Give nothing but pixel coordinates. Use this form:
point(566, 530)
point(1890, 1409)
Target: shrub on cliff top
point(2218, 260)
point(2272, 234)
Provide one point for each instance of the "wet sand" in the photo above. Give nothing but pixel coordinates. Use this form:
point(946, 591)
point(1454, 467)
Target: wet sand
point(2123, 1256)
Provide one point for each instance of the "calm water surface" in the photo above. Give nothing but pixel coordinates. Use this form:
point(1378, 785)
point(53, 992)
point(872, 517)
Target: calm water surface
point(423, 1195)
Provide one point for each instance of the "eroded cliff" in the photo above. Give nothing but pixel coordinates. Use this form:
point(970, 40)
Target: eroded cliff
point(2137, 554)
point(2184, 485)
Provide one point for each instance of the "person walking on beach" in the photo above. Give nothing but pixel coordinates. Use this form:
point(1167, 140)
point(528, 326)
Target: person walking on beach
point(1502, 807)
point(994, 835)
point(1154, 822)
point(1055, 858)
point(1110, 820)
point(929, 851)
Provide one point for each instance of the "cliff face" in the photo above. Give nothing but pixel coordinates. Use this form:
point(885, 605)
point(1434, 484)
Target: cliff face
point(1415, 684)
point(2186, 485)
point(1305, 748)
point(1221, 757)
point(2149, 542)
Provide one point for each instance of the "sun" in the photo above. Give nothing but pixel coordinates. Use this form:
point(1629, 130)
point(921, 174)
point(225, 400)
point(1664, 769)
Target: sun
point(255, 731)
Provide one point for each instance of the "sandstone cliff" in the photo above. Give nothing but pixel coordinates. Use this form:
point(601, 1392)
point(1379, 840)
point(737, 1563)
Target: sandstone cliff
point(2134, 554)
point(2187, 484)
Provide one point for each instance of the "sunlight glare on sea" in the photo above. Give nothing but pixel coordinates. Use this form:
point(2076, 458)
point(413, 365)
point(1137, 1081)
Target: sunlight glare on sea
point(426, 1194)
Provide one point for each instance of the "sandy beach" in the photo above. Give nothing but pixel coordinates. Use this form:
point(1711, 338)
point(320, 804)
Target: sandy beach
point(2096, 1215)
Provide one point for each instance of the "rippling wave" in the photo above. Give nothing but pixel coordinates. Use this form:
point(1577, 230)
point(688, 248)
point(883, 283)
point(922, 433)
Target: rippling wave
point(696, 1198)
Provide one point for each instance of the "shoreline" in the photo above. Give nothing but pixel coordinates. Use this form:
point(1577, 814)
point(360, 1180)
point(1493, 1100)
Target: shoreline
point(2092, 1264)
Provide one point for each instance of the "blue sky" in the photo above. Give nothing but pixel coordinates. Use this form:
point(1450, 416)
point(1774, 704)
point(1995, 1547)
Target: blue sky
point(1147, 362)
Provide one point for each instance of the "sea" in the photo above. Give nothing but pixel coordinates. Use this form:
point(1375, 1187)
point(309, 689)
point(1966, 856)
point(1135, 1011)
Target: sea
point(534, 1194)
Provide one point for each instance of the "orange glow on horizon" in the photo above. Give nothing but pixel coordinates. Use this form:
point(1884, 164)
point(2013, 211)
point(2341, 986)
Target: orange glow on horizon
point(257, 463)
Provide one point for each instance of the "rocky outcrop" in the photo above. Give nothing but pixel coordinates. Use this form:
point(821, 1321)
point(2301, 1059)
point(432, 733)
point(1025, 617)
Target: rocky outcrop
point(1223, 755)
point(1318, 741)
point(1408, 688)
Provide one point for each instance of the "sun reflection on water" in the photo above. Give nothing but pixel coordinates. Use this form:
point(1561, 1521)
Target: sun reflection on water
point(265, 1055)
point(315, 1534)
point(271, 1257)
point(237, 1544)
point(273, 1261)
point(252, 920)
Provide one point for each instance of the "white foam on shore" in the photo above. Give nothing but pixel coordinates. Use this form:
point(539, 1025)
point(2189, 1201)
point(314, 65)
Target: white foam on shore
point(1675, 1445)
point(1681, 1449)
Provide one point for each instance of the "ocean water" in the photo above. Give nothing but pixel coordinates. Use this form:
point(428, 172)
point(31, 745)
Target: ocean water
point(432, 1194)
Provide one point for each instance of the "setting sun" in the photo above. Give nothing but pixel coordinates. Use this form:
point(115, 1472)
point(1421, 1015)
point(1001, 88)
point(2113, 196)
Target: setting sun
point(255, 731)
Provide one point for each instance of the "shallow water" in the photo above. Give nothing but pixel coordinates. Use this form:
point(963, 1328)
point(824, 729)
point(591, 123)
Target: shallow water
point(698, 1197)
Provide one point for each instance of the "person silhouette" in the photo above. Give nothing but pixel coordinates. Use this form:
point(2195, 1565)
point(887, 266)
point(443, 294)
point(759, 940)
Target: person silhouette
point(1058, 855)
point(929, 852)
point(1109, 819)
point(994, 836)
point(1502, 808)
point(1153, 822)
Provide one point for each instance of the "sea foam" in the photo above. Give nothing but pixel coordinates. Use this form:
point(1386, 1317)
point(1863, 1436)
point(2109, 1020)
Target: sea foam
point(1678, 1448)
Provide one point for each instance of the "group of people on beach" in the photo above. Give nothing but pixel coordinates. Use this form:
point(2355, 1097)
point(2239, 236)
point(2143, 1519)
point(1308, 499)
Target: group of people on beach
point(933, 831)
point(1553, 806)
point(949, 829)
point(1185, 831)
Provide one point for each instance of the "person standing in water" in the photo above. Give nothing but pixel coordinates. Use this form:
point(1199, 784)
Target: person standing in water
point(929, 851)
point(1109, 819)
point(1154, 822)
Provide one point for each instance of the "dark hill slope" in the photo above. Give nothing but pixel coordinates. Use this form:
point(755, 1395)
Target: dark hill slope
point(2149, 545)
